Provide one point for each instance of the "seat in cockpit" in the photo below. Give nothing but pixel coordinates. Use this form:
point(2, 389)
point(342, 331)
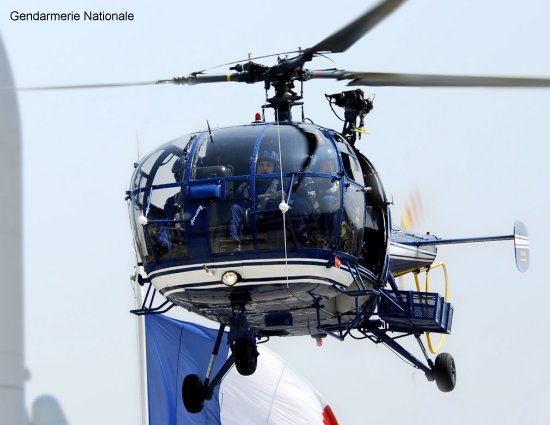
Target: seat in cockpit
point(213, 171)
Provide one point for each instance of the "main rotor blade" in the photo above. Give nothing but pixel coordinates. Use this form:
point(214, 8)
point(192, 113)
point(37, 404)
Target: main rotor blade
point(87, 86)
point(389, 79)
point(341, 40)
point(428, 80)
point(193, 79)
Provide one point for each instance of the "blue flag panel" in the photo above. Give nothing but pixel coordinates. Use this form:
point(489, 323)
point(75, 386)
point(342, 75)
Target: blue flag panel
point(174, 350)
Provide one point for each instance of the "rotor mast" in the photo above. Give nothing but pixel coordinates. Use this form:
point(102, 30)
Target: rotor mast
point(282, 78)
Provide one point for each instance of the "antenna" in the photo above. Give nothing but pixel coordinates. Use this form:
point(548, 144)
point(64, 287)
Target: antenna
point(209, 132)
point(137, 146)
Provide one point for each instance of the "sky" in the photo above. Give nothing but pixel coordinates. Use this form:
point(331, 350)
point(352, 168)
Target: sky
point(477, 156)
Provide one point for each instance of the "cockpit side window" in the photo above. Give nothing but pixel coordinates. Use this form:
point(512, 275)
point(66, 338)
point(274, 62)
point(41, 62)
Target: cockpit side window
point(351, 164)
point(157, 202)
point(352, 167)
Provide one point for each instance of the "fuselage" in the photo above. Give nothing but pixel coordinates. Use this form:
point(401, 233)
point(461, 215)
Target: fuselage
point(285, 217)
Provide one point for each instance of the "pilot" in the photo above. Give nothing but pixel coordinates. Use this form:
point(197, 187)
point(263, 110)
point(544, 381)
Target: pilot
point(268, 194)
point(326, 191)
point(328, 197)
point(316, 203)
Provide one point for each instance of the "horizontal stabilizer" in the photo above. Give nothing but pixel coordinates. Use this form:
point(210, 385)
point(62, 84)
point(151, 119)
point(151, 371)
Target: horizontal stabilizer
point(520, 237)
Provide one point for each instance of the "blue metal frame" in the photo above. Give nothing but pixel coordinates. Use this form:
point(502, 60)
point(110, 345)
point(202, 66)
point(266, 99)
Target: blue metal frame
point(147, 304)
point(252, 181)
point(341, 330)
point(195, 144)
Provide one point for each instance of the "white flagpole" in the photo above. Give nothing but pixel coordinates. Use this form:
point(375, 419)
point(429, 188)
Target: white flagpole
point(142, 355)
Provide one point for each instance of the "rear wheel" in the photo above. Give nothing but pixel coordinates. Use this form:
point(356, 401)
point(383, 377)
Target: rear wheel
point(193, 393)
point(445, 372)
point(246, 356)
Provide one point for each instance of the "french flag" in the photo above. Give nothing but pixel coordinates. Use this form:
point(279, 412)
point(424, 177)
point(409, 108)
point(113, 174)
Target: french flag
point(273, 395)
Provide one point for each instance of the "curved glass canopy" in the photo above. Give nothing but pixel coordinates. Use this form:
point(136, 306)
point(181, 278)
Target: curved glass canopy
point(209, 195)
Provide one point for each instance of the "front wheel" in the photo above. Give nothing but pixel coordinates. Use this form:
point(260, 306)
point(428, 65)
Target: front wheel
point(445, 372)
point(246, 356)
point(193, 393)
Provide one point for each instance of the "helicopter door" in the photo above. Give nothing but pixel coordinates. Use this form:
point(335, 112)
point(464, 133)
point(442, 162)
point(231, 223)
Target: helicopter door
point(351, 230)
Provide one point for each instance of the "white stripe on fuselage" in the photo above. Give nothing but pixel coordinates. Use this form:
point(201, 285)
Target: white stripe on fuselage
point(209, 277)
point(236, 262)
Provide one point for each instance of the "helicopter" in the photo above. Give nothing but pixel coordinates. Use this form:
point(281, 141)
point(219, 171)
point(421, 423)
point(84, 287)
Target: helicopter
point(160, 267)
point(283, 228)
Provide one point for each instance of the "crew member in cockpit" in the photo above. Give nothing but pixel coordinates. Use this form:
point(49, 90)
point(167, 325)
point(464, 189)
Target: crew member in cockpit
point(326, 190)
point(173, 208)
point(316, 203)
point(268, 194)
point(174, 203)
point(328, 197)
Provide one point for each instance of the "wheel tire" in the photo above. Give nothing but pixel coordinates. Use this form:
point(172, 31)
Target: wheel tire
point(246, 356)
point(193, 393)
point(445, 372)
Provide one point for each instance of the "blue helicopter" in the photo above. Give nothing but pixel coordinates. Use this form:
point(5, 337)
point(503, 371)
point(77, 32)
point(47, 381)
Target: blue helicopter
point(283, 228)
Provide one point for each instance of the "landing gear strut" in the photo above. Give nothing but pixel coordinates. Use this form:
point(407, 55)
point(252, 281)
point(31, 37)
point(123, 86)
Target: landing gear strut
point(194, 391)
point(443, 371)
point(244, 356)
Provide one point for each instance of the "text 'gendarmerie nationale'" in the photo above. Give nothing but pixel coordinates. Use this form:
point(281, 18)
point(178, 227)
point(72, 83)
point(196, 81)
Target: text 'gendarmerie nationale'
point(71, 16)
